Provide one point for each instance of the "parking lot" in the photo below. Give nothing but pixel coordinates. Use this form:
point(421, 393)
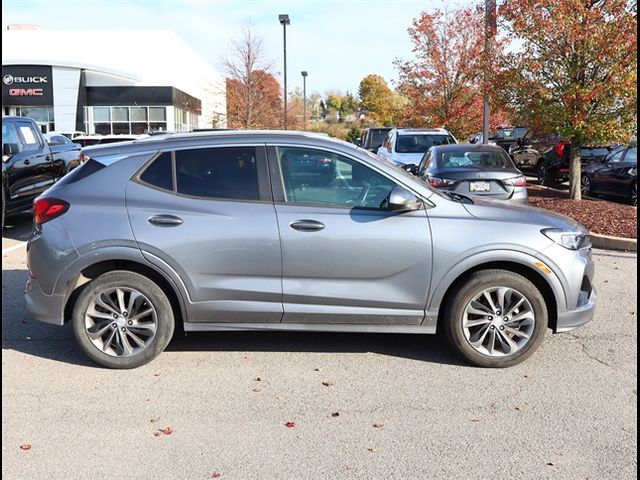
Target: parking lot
point(362, 406)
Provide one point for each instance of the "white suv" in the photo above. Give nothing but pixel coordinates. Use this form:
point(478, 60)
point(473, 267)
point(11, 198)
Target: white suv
point(406, 146)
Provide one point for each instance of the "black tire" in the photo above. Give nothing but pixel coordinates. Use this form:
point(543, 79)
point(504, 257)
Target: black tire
point(634, 195)
point(585, 186)
point(123, 279)
point(469, 288)
point(544, 176)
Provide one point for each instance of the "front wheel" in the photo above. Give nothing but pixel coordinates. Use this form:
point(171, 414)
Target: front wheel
point(122, 320)
point(543, 175)
point(496, 318)
point(634, 195)
point(586, 185)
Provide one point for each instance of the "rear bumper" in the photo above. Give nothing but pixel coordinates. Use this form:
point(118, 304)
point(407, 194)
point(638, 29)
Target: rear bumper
point(570, 319)
point(43, 307)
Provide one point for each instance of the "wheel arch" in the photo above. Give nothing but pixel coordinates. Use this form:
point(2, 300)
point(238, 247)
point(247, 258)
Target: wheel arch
point(550, 288)
point(83, 270)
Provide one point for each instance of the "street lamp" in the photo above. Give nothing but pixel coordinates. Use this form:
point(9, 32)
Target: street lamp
point(304, 98)
point(284, 21)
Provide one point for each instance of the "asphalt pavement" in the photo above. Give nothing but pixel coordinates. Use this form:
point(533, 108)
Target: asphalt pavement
point(361, 406)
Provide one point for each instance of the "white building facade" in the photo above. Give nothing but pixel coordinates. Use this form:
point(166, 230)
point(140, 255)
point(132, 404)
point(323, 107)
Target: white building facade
point(109, 82)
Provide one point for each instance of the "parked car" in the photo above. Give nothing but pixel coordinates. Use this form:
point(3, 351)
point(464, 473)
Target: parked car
point(29, 164)
point(549, 156)
point(72, 134)
point(617, 176)
point(503, 136)
point(372, 138)
point(214, 233)
point(484, 170)
point(404, 146)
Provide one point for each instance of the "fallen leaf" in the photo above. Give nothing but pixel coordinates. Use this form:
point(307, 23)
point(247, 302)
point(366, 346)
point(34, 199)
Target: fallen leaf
point(335, 414)
point(519, 408)
point(258, 379)
point(155, 419)
point(257, 390)
point(328, 383)
point(216, 474)
point(167, 430)
point(378, 425)
point(550, 464)
point(26, 446)
point(156, 374)
point(372, 450)
point(317, 369)
point(157, 434)
point(279, 397)
point(290, 424)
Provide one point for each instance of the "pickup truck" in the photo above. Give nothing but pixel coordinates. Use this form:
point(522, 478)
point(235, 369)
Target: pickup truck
point(549, 156)
point(29, 164)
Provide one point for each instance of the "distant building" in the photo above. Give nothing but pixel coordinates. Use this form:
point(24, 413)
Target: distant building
point(108, 81)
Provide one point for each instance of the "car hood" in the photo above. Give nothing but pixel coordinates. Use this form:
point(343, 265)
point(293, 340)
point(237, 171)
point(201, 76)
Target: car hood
point(407, 158)
point(514, 213)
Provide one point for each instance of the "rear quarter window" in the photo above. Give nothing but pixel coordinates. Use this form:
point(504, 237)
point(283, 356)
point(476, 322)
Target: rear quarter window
point(83, 171)
point(159, 173)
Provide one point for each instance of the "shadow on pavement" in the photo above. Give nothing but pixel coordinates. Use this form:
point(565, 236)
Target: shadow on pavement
point(22, 333)
point(18, 227)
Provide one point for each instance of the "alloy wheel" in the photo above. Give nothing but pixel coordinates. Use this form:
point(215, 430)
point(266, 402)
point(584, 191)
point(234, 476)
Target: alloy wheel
point(634, 195)
point(586, 186)
point(542, 174)
point(121, 322)
point(498, 321)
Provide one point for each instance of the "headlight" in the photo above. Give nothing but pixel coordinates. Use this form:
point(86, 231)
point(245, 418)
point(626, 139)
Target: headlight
point(568, 238)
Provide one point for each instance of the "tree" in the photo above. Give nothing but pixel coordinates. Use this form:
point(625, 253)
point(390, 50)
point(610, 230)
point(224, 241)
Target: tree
point(377, 99)
point(253, 93)
point(576, 69)
point(443, 80)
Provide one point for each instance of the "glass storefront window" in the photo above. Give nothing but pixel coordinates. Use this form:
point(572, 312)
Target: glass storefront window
point(101, 114)
point(120, 114)
point(138, 128)
point(102, 128)
point(157, 114)
point(121, 128)
point(138, 114)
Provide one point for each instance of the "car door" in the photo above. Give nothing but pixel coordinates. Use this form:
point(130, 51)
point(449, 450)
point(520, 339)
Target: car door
point(345, 258)
point(606, 179)
point(30, 170)
point(208, 213)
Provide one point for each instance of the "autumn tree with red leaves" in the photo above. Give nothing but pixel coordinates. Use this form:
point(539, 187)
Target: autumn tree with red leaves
point(254, 100)
point(575, 70)
point(443, 81)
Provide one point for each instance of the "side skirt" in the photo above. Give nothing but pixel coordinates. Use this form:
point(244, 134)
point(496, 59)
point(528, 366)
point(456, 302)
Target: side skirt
point(306, 327)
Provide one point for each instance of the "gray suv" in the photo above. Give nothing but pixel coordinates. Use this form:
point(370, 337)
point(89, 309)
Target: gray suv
point(293, 231)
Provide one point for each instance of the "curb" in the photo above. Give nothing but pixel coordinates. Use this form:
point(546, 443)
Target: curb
point(613, 243)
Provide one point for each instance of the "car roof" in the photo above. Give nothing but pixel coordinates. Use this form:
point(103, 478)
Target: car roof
point(196, 139)
point(467, 147)
point(422, 131)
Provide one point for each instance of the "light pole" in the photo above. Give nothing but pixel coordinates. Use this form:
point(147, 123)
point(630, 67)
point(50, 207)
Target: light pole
point(304, 98)
point(489, 33)
point(284, 21)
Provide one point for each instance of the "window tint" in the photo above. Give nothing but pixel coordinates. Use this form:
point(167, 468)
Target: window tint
point(420, 143)
point(159, 173)
point(617, 157)
point(9, 134)
point(474, 159)
point(30, 137)
point(321, 178)
point(218, 173)
point(83, 171)
point(632, 155)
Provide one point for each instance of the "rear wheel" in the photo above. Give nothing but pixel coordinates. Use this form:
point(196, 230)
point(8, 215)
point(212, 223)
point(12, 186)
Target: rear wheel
point(543, 174)
point(586, 186)
point(496, 318)
point(122, 320)
point(634, 195)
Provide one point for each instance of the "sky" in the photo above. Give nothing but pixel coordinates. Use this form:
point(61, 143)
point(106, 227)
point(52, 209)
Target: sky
point(336, 42)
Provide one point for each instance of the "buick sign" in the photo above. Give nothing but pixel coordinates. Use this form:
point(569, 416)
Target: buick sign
point(27, 85)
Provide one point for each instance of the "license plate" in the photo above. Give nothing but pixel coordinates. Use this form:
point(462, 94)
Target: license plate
point(480, 187)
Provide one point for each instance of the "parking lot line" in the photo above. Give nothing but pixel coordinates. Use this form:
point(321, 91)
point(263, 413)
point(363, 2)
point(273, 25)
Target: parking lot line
point(13, 247)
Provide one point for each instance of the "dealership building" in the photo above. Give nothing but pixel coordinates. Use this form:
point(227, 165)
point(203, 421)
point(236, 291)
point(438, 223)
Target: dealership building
point(109, 81)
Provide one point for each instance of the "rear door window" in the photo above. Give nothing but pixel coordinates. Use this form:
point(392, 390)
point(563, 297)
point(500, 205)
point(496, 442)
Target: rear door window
point(225, 173)
point(9, 135)
point(30, 136)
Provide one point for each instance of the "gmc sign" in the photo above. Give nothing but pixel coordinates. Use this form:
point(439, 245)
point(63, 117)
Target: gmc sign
point(27, 85)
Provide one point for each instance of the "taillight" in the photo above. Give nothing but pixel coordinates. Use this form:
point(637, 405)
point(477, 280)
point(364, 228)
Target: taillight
point(45, 209)
point(561, 148)
point(516, 181)
point(440, 182)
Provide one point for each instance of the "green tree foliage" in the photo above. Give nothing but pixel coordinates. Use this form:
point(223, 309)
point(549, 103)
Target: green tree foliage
point(377, 99)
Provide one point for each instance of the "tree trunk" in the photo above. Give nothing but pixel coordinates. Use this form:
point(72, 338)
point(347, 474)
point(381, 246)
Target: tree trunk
point(575, 170)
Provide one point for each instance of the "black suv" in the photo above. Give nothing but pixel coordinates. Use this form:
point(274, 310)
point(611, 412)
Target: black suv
point(372, 138)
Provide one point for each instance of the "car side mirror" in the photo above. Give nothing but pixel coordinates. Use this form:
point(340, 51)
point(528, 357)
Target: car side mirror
point(412, 168)
point(402, 200)
point(9, 149)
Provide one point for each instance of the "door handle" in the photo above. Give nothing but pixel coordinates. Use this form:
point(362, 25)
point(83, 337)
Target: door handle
point(165, 221)
point(307, 225)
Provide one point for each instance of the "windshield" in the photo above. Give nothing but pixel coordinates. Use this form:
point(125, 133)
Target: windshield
point(479, 160)
point(376, 137)
point(632, 155)
point(420, 143)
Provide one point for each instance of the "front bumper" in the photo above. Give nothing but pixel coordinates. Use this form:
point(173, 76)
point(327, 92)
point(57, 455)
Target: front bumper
point(43, 307)
point(570, 319)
